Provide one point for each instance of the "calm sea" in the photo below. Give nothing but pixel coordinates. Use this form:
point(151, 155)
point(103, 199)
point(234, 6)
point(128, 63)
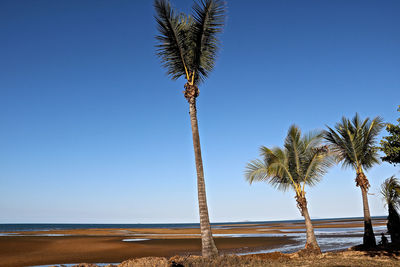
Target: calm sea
point(71, 226)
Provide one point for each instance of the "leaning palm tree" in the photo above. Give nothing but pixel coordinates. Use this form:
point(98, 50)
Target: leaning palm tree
point(354, 143)
point(187, 47)
point(302, 161)
point(390, 190)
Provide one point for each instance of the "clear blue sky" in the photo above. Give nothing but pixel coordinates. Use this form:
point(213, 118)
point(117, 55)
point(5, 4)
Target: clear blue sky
point(92, 130)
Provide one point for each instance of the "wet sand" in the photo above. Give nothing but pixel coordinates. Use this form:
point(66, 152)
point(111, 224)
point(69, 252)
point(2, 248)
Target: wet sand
point(41, 250)
point(24, 248)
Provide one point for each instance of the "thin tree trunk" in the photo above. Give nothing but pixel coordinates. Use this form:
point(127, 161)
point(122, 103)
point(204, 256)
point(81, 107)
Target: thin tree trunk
point(369, 236)
point(208, 246)
point(362, 181)
point(312, 246)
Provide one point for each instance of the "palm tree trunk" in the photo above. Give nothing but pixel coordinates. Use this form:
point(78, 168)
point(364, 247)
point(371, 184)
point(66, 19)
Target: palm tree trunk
point(393, 224)
point(369, 236)
point(208, 246)
point(311, 242)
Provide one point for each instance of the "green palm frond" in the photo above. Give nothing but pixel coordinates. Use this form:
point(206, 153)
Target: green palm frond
point(337, 144)
point(354, 141)
point(277, 162)
point(301, 161)
point(390, 190)
point(369, 149)
point(209, 16)
point(256, 171)
point(173, 32)
point(317, 162)
point(268, 169)
point(313, 139)
point(293, 147)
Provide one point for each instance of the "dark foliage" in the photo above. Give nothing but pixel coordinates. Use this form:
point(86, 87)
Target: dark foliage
point(390, 145)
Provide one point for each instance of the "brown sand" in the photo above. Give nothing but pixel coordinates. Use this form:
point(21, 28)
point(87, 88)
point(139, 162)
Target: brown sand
point(37, 250)
point(376, 258)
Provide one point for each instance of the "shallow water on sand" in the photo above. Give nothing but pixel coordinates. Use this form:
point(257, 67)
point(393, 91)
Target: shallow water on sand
point(329, 239)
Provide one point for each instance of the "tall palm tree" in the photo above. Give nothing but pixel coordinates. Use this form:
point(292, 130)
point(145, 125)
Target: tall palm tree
point(187, 47)
point(302, 161)
point(354, 142)
point(390, 189)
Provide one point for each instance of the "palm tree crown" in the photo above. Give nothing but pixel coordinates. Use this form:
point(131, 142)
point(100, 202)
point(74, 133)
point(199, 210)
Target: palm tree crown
point(188, 45)
point(302, 161)
point(390, 191)
point(355, 141)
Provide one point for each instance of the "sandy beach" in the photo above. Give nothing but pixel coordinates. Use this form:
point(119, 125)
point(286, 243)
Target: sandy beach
point(27, 248)
point(23, 251)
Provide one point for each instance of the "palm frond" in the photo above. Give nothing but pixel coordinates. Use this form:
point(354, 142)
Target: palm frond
point(209, 16)
point(371, 131)
point(293, 147)
point(336, 144)
point(390, 190)
point(256, 170)
point(317, 162)
point(313, 139)
point(172, 47)
point(277, 161)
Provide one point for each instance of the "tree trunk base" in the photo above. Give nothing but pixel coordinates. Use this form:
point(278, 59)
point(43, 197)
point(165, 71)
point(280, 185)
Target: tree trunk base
point(310, 250)
point(369, 244)
point(210, 254)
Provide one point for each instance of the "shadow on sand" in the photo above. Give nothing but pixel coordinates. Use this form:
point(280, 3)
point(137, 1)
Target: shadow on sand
point(389, 250)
